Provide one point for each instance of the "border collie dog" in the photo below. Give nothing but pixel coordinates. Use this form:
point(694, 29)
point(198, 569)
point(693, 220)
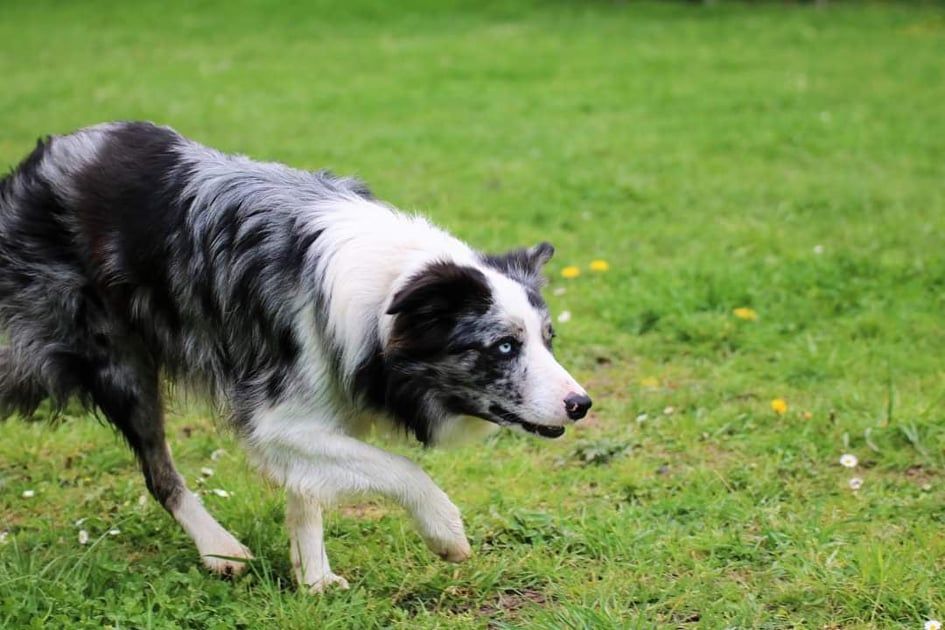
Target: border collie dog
point(305, 307)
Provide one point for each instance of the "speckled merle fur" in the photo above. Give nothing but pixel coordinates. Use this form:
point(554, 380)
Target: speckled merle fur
point(310, 311)
point(128, 252)
point(440, 358)
point(115, 243)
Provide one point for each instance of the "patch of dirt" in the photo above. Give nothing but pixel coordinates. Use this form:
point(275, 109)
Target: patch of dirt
point(504, 605)
point(920, 476)
point(367, 511)
point(509, 602)
point(686, 618)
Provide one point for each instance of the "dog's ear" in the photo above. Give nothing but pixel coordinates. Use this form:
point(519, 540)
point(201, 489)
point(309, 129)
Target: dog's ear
point(539, 255)
point(442, 288)
point(524, 264)
point(429, 305)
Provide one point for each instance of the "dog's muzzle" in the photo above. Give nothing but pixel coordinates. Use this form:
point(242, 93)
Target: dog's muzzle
point(503, 417)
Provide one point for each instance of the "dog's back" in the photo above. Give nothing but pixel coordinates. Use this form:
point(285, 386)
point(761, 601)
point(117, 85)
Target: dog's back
point(104, 252)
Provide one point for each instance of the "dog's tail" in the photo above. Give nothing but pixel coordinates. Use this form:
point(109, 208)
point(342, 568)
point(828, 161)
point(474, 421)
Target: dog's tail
point(19, 391)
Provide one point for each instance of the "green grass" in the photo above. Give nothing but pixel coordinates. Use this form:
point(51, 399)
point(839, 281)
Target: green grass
point(707, 153)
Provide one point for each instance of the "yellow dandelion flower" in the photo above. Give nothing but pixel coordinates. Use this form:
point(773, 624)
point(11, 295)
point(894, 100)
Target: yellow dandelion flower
point(779, 406)
point(570, 272)
point(650, 382)
point(743, 312)
point(599, 265)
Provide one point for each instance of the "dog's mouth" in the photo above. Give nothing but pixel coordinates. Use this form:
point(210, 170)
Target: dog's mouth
point(503, 417)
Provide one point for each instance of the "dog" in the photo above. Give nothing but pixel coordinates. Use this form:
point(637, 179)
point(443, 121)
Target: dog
point(131, 256)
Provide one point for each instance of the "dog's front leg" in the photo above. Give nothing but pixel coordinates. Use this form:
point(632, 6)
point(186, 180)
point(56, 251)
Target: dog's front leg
point(303, 517)
point(319, 467)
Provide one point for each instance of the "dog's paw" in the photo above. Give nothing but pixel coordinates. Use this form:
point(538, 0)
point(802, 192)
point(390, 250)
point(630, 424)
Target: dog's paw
point(444, 533)
point(229, 560)
point(329, 580)
point(457, 550)
point(448, 541)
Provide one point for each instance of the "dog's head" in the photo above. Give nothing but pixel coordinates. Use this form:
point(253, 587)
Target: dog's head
point(478, 340)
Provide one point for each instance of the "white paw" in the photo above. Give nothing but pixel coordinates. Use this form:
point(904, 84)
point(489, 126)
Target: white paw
point(330, 580)
point(227, 559)
point(456, 550)
point(445, 535)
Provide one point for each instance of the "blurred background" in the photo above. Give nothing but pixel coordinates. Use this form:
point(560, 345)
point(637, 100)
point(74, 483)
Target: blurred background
point(748, 207)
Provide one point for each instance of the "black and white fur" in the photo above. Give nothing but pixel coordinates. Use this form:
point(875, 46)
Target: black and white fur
point(308, 308)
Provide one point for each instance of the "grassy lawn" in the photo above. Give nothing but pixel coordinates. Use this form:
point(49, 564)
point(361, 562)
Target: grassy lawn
point(782, 158)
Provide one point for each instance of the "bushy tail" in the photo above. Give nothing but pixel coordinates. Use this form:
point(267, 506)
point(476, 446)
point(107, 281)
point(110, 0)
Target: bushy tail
point(19, 392)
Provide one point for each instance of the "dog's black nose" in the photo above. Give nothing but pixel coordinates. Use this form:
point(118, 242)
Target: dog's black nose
point(577, 405)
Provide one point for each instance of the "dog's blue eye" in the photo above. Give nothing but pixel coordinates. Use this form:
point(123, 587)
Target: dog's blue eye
point(506, 347)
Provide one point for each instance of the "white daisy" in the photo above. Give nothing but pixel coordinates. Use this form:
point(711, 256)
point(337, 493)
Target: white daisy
point(4, 538)
point(856, 483)
point(933, 624)
point(220, 492)
point(29, 494)
point(206, 472)
point(564, 317)
point(668, 411)
point(83, 537)
point(848, 460)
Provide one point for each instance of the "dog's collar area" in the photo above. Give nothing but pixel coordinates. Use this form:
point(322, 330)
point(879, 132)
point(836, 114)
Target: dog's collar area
point(503, 417)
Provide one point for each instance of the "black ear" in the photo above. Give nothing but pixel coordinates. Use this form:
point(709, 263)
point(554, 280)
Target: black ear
point(523, 264)
point(430, 304)
point(540, 254)
point(442, 288)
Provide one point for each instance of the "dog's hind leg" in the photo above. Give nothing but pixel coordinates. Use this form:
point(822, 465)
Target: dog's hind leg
point(128, 393)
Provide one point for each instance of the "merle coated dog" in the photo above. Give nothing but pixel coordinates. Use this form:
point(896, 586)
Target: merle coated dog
point(307, 308)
